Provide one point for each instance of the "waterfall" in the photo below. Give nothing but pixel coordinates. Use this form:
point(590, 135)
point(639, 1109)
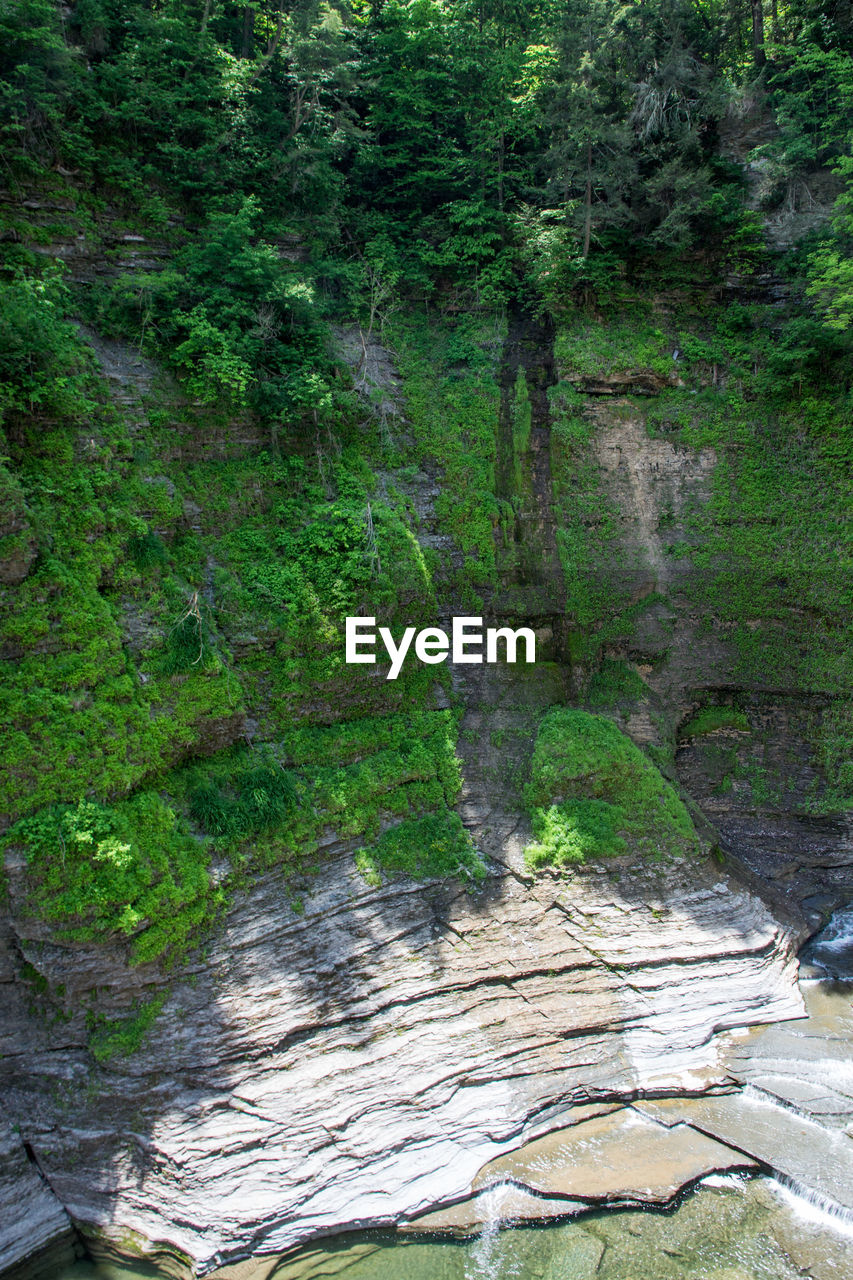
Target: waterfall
point(832, 948)
point(484, 1260)
point(811, 1206)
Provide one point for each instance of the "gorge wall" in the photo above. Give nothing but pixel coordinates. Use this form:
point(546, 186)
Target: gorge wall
point(277, 1032)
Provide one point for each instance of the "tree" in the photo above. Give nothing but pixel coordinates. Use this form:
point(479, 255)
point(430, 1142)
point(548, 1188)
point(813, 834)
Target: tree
point(830, 268)
point(759, 56)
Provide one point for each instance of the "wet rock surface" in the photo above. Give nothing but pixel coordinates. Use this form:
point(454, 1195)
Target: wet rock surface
point(619, 1157)
point(800, 1149)
point(727, 1229)
point(506, 1202)
point(622, 1156)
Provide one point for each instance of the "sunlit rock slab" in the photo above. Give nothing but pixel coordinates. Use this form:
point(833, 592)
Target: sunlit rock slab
point(619, 1156)
point(812, 1156)
point(504, 1203)
point(806, 1064)
point(358, 1063)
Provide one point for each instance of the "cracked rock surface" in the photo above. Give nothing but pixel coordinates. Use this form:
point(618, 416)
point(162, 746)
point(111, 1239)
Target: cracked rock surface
point(360, 1062)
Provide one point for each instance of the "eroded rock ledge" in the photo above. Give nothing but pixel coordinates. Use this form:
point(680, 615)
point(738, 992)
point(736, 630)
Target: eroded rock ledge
point(360, 1062)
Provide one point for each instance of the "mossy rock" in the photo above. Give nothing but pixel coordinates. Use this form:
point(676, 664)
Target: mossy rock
point(593, 793)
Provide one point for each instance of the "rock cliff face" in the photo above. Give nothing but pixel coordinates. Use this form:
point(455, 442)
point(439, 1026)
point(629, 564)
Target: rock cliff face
point(360, 1060)
point(756, 780)
point(34, 1220)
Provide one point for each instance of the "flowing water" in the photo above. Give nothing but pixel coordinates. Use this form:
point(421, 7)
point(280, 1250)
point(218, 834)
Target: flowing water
point(730, 1227)
point(832, 949)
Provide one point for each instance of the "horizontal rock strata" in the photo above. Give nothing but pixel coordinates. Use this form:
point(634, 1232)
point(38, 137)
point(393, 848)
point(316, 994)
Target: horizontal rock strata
point(790, 1144)
point(618, 1157)
point(358, 1063)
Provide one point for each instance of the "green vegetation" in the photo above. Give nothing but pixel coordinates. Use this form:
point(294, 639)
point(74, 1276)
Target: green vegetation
point(123, 1036)
point(357, 773)
point(600, 603)
point(259, 795)
point(217, 188)
point(614, 684)
point(593, 794)
point(771, 546)
point(133, 868)
point(709, 719)
point(129, 868)
point(629, 341)
point(451, 399)
point(436, 846)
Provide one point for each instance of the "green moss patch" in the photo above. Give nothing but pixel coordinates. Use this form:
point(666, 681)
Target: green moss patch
point(130, 868)
point(709, 719)
point(593, 793)
point(123, 1036)
point(600, 601)
point(628, 342)
point(435, 846)
point(452, 401)
point(615, 683)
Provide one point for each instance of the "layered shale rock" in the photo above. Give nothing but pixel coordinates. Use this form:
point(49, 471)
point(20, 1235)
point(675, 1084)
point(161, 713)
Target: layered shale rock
point(618, 1157)
point(360, 1062)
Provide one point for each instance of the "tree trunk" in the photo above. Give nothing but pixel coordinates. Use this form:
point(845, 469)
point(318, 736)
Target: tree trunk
point(758, 33)
point(774, 25)
point(270, 54)
point(248, 31)
point(587, 227)
point(501, 148)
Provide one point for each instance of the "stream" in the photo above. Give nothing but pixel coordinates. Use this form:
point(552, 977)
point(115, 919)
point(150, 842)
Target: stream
point(728, 1227)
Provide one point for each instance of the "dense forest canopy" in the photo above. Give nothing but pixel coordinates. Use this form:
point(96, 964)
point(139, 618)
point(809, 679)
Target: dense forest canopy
point(459, 152)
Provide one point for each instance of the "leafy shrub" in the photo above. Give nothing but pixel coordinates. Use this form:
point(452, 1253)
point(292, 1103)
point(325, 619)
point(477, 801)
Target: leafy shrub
point(36, 72)
point(574, 832)
point(126, 868)
point(43, 362)
point(236, 321)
